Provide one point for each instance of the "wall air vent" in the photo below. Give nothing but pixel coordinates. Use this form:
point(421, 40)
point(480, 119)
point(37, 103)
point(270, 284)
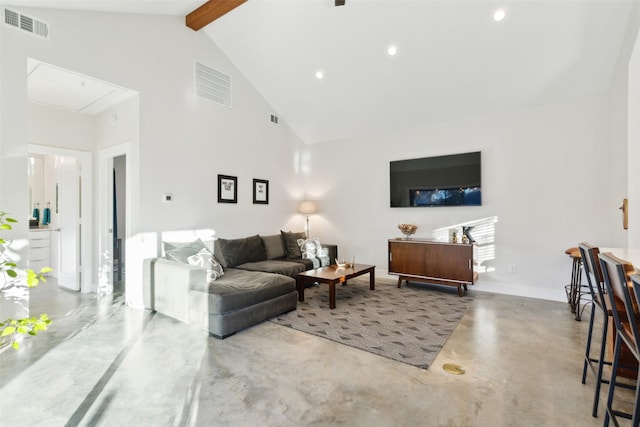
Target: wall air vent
point(26, 23)
point(213, 85)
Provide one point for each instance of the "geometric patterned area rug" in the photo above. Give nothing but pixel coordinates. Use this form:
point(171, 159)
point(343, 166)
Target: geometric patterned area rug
point(410, 324)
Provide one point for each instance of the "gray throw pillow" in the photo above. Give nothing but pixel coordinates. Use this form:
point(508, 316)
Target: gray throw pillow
point(181, 251)
point(240, 251)
point(217, 252)
point(290, 240)
point(273, 246)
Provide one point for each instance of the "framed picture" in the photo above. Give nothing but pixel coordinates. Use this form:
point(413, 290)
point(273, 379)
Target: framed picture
point(227, 189)
point(261, 191)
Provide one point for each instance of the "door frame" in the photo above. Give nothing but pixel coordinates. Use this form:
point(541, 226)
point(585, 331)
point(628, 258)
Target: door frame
point(87, 282)
point(105, 210)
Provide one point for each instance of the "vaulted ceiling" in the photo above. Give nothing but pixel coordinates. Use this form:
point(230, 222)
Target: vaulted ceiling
point(453, 58)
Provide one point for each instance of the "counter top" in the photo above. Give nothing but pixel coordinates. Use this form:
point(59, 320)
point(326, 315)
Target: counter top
point(627, 254)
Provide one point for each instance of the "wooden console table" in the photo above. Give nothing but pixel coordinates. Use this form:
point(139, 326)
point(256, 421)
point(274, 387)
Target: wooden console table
point(434, 262)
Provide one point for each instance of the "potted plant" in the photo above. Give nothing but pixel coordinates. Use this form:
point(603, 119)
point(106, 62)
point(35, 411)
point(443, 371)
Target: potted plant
point(12, 331)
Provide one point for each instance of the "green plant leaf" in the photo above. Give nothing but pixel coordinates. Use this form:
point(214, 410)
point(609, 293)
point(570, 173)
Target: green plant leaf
point(32, 279)
point(12, 328)
point(8, 331)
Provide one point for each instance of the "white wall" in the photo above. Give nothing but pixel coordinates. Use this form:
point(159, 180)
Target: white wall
point(184, 141)
point(634, 145)
point(118, 124)
point(59, 128)
point(554, 175)
point(624, 108)
point(532, 160)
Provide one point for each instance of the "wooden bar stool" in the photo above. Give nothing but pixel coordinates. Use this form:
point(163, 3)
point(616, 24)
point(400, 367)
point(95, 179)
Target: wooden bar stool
point(601, 303)
point(627, 330)
point(575, 289)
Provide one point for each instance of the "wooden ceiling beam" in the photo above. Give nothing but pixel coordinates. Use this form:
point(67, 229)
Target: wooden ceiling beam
point(209, 12)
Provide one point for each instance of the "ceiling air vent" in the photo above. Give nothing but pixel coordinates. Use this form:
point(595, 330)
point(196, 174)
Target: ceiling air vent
point(274, 119)
point(26, 23)
point(213, 85)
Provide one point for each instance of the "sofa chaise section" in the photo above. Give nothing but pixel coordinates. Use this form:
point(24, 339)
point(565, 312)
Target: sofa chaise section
point(240, 299)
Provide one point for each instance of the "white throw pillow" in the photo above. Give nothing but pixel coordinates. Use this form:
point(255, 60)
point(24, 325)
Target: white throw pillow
point(311, 248)
point(205, 259)
point(180, 251)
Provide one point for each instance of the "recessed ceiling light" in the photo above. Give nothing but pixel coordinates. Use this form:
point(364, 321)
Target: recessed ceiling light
point(392, 50)
point(499, 15)
point(319, 74)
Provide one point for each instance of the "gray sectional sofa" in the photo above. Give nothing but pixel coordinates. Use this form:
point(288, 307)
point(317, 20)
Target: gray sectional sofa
point(257, 280)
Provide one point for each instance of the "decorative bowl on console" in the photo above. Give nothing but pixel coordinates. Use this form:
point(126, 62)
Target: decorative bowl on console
point(407, 230)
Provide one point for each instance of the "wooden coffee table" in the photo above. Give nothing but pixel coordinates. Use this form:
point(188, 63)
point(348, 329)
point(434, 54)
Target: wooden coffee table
point(331, 275)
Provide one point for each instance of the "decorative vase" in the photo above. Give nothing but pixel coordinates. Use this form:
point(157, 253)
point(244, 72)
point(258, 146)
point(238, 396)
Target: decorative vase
point(466, 230)
point(407, 230)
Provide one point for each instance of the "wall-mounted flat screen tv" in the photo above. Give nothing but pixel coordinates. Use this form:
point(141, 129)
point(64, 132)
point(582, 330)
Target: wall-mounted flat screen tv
point(453, 180)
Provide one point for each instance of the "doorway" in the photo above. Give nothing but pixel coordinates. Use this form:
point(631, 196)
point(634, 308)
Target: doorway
point(114, 218)
point(66, 194)
point(119, 221)
point(69, 109)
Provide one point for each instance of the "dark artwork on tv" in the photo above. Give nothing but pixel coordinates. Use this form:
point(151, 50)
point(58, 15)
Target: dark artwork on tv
point(453, 180)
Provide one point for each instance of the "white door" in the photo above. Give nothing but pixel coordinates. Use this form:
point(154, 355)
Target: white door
point(105, 275)
point(69, 189)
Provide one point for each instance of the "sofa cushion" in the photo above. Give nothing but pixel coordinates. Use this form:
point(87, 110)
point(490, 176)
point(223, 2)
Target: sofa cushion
point(240, 251)
point(238, 289)
point(217, 252)
point(287, 268)
point(206, 260)
point(181, 251)
point(290, 240)
point(273, 246)
point(210, 244)
point(306, 262)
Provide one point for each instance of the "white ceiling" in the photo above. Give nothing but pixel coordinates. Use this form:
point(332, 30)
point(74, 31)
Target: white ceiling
point(453, 59)
point(67, 90)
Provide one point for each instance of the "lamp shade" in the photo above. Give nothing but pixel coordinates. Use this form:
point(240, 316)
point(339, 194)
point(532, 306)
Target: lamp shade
point(307, 207)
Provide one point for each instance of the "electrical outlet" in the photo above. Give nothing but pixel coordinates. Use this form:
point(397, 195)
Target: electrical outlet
point(167, 197)
point(513, 268)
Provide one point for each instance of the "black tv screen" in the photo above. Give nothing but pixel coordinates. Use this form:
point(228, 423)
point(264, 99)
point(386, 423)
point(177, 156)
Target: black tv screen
point(453, 180)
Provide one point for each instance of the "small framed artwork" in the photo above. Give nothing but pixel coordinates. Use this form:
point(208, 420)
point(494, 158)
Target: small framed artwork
point(227, 189)
point(261, 191)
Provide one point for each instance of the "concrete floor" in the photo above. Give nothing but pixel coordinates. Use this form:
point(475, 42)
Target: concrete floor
point(104, 364)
